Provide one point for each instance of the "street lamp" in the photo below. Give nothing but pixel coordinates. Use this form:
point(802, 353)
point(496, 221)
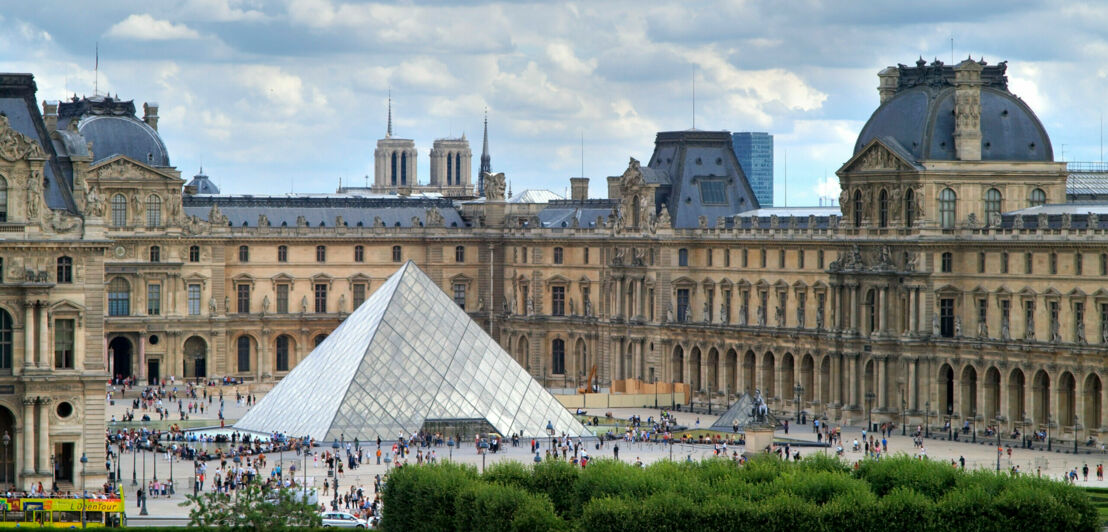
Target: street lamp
point(172, 455)
point(903, 414)
point(1075, 425)
point(927, 419)
point(134, 465)
point(999, 451)
point(195, 480)
point(154, 458)
point(1049, 442)
point(144, 494)
point(974, 414)
point(799, 391)
point(484, 451)
point(869, 410)
point(84, 487)
point(335, 458)
point(7, 439)
point(450, 444)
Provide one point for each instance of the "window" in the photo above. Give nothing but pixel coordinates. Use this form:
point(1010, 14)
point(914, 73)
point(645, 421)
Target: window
point(947, 263)
point(243, 298)
point(396, 254)
point(282, 253)
point(153, 211)
point(1078, 318)
point(557, 255)
point(359, 294)
point(992, 204)
point(119, 297)
point(194, 299)
point(460, 295)
point(713, 192)
point(5, 341)
point(65, 270)
point(557, 301)
point(781, 258)
point(1028, 263)
point(1053, 263)
point(321, 253)
point(946, 317)
point(1104, 264)
point(1078, 263)
point(524, 255)
point(857, 208)
point(153, 299)
point(64, 333)
point(1053, 306)
point(1103, 323)
point(726, 258)
point(819, 259)
point(4, 206)
point(1037, 198)
point(359, 253)
point(282, 353)
point(194, 253)
point(883, 209)
point(763, 261)
point(321, 298)
point(244, 353)
point(586, 255)
point(459, 254)
point(800, 259)
point(909, 207)
point(1004, 262)
point(982, 311)
point(708, 253)
point(745, 258)
point(558, 357)
point(155, 254)
point(947, 200)
point(682, 257)
point(1029, 318)
point(980, 262)
point(682, 304)
point(319, 338)
point(282, 299)
point(119, 210)
point(244, 254)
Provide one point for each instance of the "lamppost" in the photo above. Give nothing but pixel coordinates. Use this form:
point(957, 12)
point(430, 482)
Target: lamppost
point(484, 451)
point(308, 442)
point(143, 510)
point(655, 391)
point(949, 424)
point(172, 455)
point(1049, 442)
point(118, 460)
point(335, 458)
point(903, 414)
point(1075, 425)
point(84, 496)
point(869, 410)
point(450, 444)
point(154, 458)
point(195, 480)
point(7, 439)
point(53, 472)
point(134, 465)
point(799, 391)
point(999, 451)
point(927, 419)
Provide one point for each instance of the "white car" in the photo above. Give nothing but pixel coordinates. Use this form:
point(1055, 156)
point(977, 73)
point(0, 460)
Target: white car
point(343, 519)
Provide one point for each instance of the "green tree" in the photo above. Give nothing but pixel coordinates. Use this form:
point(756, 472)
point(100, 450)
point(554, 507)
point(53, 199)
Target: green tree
point(252, 508)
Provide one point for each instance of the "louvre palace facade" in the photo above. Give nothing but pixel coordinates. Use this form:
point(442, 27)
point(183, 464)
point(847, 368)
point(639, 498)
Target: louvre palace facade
point(961, 277)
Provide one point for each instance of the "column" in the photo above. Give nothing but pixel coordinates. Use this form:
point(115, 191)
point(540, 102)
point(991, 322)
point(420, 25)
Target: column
point(28, 335)
point(852, 380)
point(836, 379)
point(855, 303)
point(43, 458)
point(141, 369)
point(107, 360)
point(882, 315)
point(882, 382)
point(43, 330)
point(912, 385)
point(28, 447)
point(911, 329)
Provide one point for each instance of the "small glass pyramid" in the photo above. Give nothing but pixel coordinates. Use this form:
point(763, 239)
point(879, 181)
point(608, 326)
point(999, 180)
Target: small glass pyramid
point(407, 358)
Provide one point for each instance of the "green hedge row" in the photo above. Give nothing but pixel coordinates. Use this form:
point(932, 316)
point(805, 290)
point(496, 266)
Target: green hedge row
point(818, 493)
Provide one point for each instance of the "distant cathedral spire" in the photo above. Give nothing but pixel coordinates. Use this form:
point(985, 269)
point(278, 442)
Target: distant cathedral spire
point(486, 161)
point(388, 133)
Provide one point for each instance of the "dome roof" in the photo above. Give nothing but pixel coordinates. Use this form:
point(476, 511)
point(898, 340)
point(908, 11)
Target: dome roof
point(123, 135)
point(921, 119)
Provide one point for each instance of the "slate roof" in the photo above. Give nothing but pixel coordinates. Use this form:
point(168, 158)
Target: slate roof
point(18, 103)
point(561, 213)
point(112, 127)
point(322, 210)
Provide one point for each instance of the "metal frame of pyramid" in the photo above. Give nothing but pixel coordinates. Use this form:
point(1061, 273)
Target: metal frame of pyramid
point(742, 411)
point(407, 355)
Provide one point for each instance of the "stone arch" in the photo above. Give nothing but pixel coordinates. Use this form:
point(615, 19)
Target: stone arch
point(992, 394)
point(968, 400)
point(1092, 392)
point(196, 358)
point(769, 386)
point(1017, 390)
point(749, 365)
point(1067, 400)
point(946, 390)
point(522, 354)
point(678, 363)
point(1040, 395)
point(9, 452)
point(694, 369)
point(120, 351)
point(808, 378)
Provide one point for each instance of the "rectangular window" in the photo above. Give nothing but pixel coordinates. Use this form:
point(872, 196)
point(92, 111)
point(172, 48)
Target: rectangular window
point(819, 259)
point(711, 305)
point(1078, 318)
point(1078, 263)
point(1103, 321)
point(801, 304)
point(744, 258)
point(282, 299)
point(650, 302)
point(980, 262)
point(726, 306)
point(708, 255)
point(557, 255)
point(682, 257)
point(321, 253)
point(64, 333)
point(1054, 317)
point(243, 298)
point(1104, 264)
point(982, 311)
point(321, 298)
point(460, 295)
point(359, 294)
point(946, 317)
point(1029, 318)
point(1053, 263)
point(682, 304)
point(359, 253)
point(763, 262)
point(1005, 317)
point(586, 255)
point(194, 253)
point(800, 259)
point(781, 259)
point(194, 299)
point(1004, 262)
point(153, 299)
point(1028, 263)
point(727, 258)
point(947, 262)
point(282, 254)
point(713, 192)
point(557, 301)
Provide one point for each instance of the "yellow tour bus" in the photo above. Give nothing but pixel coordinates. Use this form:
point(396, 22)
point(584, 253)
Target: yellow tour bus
point(61, 513)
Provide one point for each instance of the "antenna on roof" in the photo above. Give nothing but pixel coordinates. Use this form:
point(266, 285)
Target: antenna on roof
point(785, 183)
point(952, 48)
point(694, 97)
point(582, 153)
point(96, 69)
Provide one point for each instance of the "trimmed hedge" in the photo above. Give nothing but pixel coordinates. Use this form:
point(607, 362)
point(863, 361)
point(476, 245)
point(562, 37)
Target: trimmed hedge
point(817, 493)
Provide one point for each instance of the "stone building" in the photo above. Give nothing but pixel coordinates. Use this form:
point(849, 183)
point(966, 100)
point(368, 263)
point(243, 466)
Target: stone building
point(961, 276)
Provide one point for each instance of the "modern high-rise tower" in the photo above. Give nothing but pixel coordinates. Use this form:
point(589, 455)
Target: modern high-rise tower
point(755, 154)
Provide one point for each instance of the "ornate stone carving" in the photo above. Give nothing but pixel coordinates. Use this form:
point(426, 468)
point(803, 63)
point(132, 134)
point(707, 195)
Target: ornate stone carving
point(434, 217)
point(494, 186)
point(15, 145)
point(632, 176)
point(216, 216)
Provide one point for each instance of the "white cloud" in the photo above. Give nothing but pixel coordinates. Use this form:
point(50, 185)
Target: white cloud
point(562, 55)
point(143, 27)
point(220, 11)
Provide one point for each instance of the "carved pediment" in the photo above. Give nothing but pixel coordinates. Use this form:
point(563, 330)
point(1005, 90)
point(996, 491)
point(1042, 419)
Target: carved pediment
point(877, 157)
point(123, 167)
point(15, 145)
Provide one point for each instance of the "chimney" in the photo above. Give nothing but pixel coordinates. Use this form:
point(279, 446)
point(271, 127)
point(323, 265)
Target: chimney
point(613, 187)
point(888, 79)
point(50, 114)
point(967, 110)
point(579, 188)
point(150, 114)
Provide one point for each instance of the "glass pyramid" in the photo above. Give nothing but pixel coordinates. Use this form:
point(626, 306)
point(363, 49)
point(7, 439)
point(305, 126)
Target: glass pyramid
point(406, 356)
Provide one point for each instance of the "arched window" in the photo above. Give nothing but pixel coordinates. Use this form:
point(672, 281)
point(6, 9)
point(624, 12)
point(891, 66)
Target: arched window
point(558, 357)
point(153, 211)
point(119, 297)
point(992, 203)
point(947, 201)
point(393, 173)
point(3, 202)
point(871, 310)
point(460, 254)
point(194, 253)
point(5, 340)
point(857, 208)
point(65, 270)
point(404, 168)
point(883, 209)
point(682, 257)
point(396, 253)
point(244, 253)
point(1038, 197)
point(319, 339)
point(282, 253)
point(909, 208)
point(119, 210)
point(243, 345)
point(449, 170)
point(155, 254)
point(282, 353)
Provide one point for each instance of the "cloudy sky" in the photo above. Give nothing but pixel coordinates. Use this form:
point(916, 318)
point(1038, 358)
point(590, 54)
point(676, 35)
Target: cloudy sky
point(291, 95)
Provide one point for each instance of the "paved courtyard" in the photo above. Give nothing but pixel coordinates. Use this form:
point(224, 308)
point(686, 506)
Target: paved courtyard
point(977, 455)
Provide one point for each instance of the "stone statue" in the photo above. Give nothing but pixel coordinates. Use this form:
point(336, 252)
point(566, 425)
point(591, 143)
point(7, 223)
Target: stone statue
point(304, 304)
point(1005, 332)
point(779, 315)
point(669, 315)
point(957, 327)
point(982, 329)
point(664, 219)
point(34, 194)
point(617, 260)
point(211, 305)
point(1030, 333)
point(638, 257)
point(530, 300)
point(819, 318)
point(342, 303)
point(910, 263)
point(572, 307)
point(761, 316)
point(226, 304)
point(507, 306)
point(844, 202)
point(265, 304)
point(95, 206)
point(1055, 335)
point(935, 330)
point(494, 186)
point(723, 313)
point(1080, 332)
point(1104, 332)
point(706, 314)
point(481, 304)
point(800, 316)
point(588, 308)
point(744, 312)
